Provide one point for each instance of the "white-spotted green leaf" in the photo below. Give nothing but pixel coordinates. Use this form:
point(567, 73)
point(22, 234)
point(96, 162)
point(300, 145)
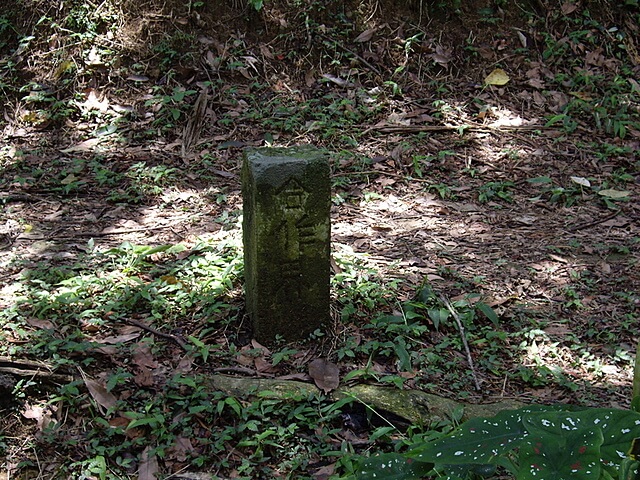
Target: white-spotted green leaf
point(479, 440)
point(392, 466)
point(629, 469)
point(619, 428)
point(559, 446)
point(532, 443)
point(464, 472)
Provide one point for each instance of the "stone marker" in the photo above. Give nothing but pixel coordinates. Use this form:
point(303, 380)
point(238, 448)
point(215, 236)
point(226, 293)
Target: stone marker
point(286, 233)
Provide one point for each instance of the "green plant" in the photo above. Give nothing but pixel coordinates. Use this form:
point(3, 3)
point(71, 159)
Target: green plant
point(7, 30)
point(170, 106)
point(149, 180)
point(572, 299)
point(567, 122)
point(537, 442)
point(495, 190)
point(489, 15)
point(358, 286)
point(45, 105)
point(558, 194)
point(444, 191)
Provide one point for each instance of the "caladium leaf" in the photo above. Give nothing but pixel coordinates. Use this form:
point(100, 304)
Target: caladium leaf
point(559, 446)
point(629, 469)
point(552, 442)
point(619, 428)
point(479, 440)
point(392, 466)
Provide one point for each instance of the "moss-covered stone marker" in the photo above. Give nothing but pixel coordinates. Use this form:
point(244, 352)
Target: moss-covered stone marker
point(286, 234)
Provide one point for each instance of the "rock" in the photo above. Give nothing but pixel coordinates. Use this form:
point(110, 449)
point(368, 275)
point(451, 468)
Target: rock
point(286, 234)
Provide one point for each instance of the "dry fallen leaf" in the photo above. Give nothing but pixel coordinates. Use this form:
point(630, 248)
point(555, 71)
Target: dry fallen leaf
point(614, 193)
point(43, 324)
point(86, 146)
point(94, 103)
point(557, 329)
point(365, 36)
point(114, 339)
point(442, 56)
point(262, 365)
point(326, 375)
point(581, 181)
point(148, 465)
point(143, 377)
point(143, 357)
point(181, 448)
point(324, 473)
point(568, 8)
point(497, 77)
point(99, 393)
point(266, 52)
point(337, 80)
point(42, 415)
point(258, 346)
point(523, 39)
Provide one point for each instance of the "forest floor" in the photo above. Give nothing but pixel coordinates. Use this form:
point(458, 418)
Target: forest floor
point(485, 169)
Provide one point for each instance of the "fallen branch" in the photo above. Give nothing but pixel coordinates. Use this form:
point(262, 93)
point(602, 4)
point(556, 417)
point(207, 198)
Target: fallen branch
point(465, 127)
point(582, 226)
point(31, 368)
point(415, 406)
point(106, 234)
point(17, 197)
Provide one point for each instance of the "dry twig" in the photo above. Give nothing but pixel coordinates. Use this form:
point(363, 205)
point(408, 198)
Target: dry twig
point(174, 338)
point(456, 317)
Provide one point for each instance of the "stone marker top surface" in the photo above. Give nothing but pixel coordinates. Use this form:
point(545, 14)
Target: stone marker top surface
point(275, 166)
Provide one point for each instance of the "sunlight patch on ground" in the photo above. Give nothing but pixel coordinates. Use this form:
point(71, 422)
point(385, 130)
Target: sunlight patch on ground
point(555, 354)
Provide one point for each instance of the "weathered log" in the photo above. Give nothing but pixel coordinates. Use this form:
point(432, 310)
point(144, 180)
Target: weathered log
point(413, 405)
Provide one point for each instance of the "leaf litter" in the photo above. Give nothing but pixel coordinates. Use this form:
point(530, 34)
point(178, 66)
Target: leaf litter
point(414, 210)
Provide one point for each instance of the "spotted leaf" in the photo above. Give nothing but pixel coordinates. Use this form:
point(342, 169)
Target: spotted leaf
point(392, 466)
point(478, 441)
point(570, 453)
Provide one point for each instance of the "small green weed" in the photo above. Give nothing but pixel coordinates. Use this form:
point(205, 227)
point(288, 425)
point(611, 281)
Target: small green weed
point(492, 191)
point(358, 287)
point(443, 190)
point(170, 107)
point(581, 189)
point(149, 180)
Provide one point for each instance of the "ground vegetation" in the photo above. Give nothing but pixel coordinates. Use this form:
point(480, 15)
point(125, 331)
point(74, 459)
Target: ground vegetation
point(485, 226)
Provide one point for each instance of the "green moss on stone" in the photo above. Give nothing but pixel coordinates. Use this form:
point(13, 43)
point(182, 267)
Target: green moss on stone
point(286, 233)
